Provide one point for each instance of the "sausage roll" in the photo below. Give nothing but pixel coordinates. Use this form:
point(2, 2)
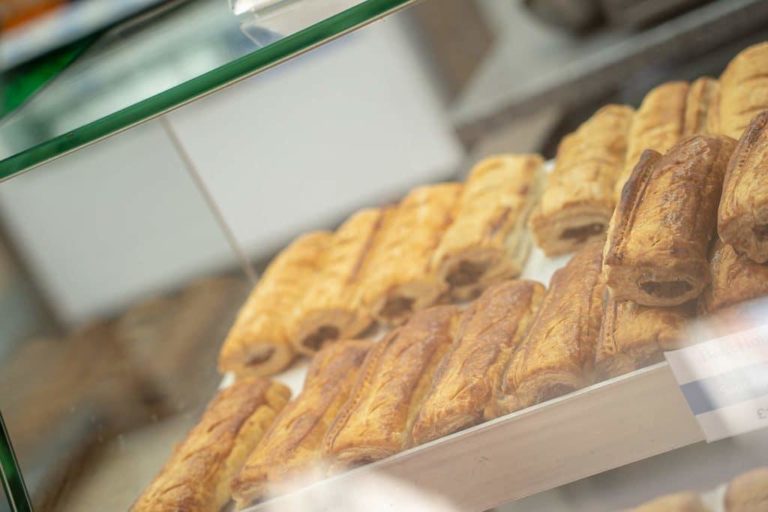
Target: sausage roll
point(579, 197)
point(197, 476)
point(656, 253)
point(702, 108)
point(634, 336)
point(376, 420)
point(748, 492)
point(487, 242)
point(680, 502)
point(464, 390)
point(396, 278)
point(292, 445)
point(331, 308)
point(258, 342)
point(744, 89)
point(658, 125)
point(559, 351)
point(735, 279)
point(743, 215)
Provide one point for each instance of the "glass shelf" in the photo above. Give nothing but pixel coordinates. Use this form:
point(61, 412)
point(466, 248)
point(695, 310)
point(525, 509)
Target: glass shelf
point(164, 59)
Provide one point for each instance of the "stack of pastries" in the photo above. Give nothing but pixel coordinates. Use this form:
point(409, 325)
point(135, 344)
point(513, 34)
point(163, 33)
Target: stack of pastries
point(467, 341)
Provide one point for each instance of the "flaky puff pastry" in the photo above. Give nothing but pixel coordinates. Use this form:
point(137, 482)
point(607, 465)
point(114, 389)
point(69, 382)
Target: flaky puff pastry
point(735, 279)
point(656, 253)
point(579, 199)
point(464, 390)
point(748, 492)
point(376, 421)
point(196, 477)
point(634, 336)
point(487, 241)
point(396, 279)
point(743, 214)
point(332, 306)
point(292, 446)
point(680, 502)
point(744, 89)
point(258, 342)
point(558, 354)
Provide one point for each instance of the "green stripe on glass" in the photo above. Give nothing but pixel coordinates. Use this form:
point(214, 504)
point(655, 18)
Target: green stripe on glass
point(10, 474)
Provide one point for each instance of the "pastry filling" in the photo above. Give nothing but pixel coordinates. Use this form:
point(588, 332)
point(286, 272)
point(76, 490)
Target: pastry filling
point(466, 273)
point(582, 233)
point(397, 306)
point(261, 357)
point(761, 231)
point(322, 335)
point(666, 289)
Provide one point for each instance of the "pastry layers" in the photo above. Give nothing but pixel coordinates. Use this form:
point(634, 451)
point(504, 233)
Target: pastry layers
point(735, 279)
point(258, 342)
point(487, 243)
point(463, 392)
point(331, 308)
point(292, 446)
point(748, 492)
point(396, 279)
point(680, 502)
point(744, 89)
point(196, 478)
point(634, 336)
point(558, 354)
point(377, 419)
point(579, 199)
point(656, 253)
point(743, 214)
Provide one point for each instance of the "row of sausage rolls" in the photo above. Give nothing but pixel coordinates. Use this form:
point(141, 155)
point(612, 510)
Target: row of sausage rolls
point(441, 242)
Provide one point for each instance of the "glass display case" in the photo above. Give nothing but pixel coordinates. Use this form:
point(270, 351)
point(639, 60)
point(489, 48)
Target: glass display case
point(386, 254)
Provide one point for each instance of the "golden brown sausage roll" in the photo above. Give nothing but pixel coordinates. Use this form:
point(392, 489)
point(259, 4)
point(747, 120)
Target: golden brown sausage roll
point(702, 108)
point(743, 214)
point(634, 336)
point(196, 478)
point(735, 279)
point(744, 90)
point(376, 421)
point(292, 445)
point(258, 342)
point(464, 390)
point(559, 352)
point(656, 253)
point(396, 279)
point(748, 492)
point(579, 199)
point(487, 242)
point(658, 125)
point(332, 308)
point(680, 502)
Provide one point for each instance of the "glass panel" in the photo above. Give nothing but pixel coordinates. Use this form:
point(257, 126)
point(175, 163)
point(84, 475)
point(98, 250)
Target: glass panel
point(158, 61)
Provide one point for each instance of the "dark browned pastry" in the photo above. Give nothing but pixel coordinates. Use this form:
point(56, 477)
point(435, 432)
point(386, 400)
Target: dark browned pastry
point(656, 253)
point(748, 492)
point(465, 388)
point(680, 502)
point(376, 421)
point(744, 89)
point(735, 279)
point(559, 352)
point(198, 474)
point(292, 445)
point(743, 214)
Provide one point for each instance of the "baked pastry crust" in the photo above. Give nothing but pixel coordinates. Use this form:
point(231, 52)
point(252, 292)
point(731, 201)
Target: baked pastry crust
point(197, 475)
point(656, 253)
point(465, 388)
point(376, 421)
point(292, 446)
point(332, 306)
point(735, 279)
point(258, 342)
point(558, 354)
point(748, 492)
point(744, 89)
point(634, 336)
point(487, 241)
point(396, 279)
point(743, 213)
point(579, 199)
point(680, 502)
point(702, 107)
